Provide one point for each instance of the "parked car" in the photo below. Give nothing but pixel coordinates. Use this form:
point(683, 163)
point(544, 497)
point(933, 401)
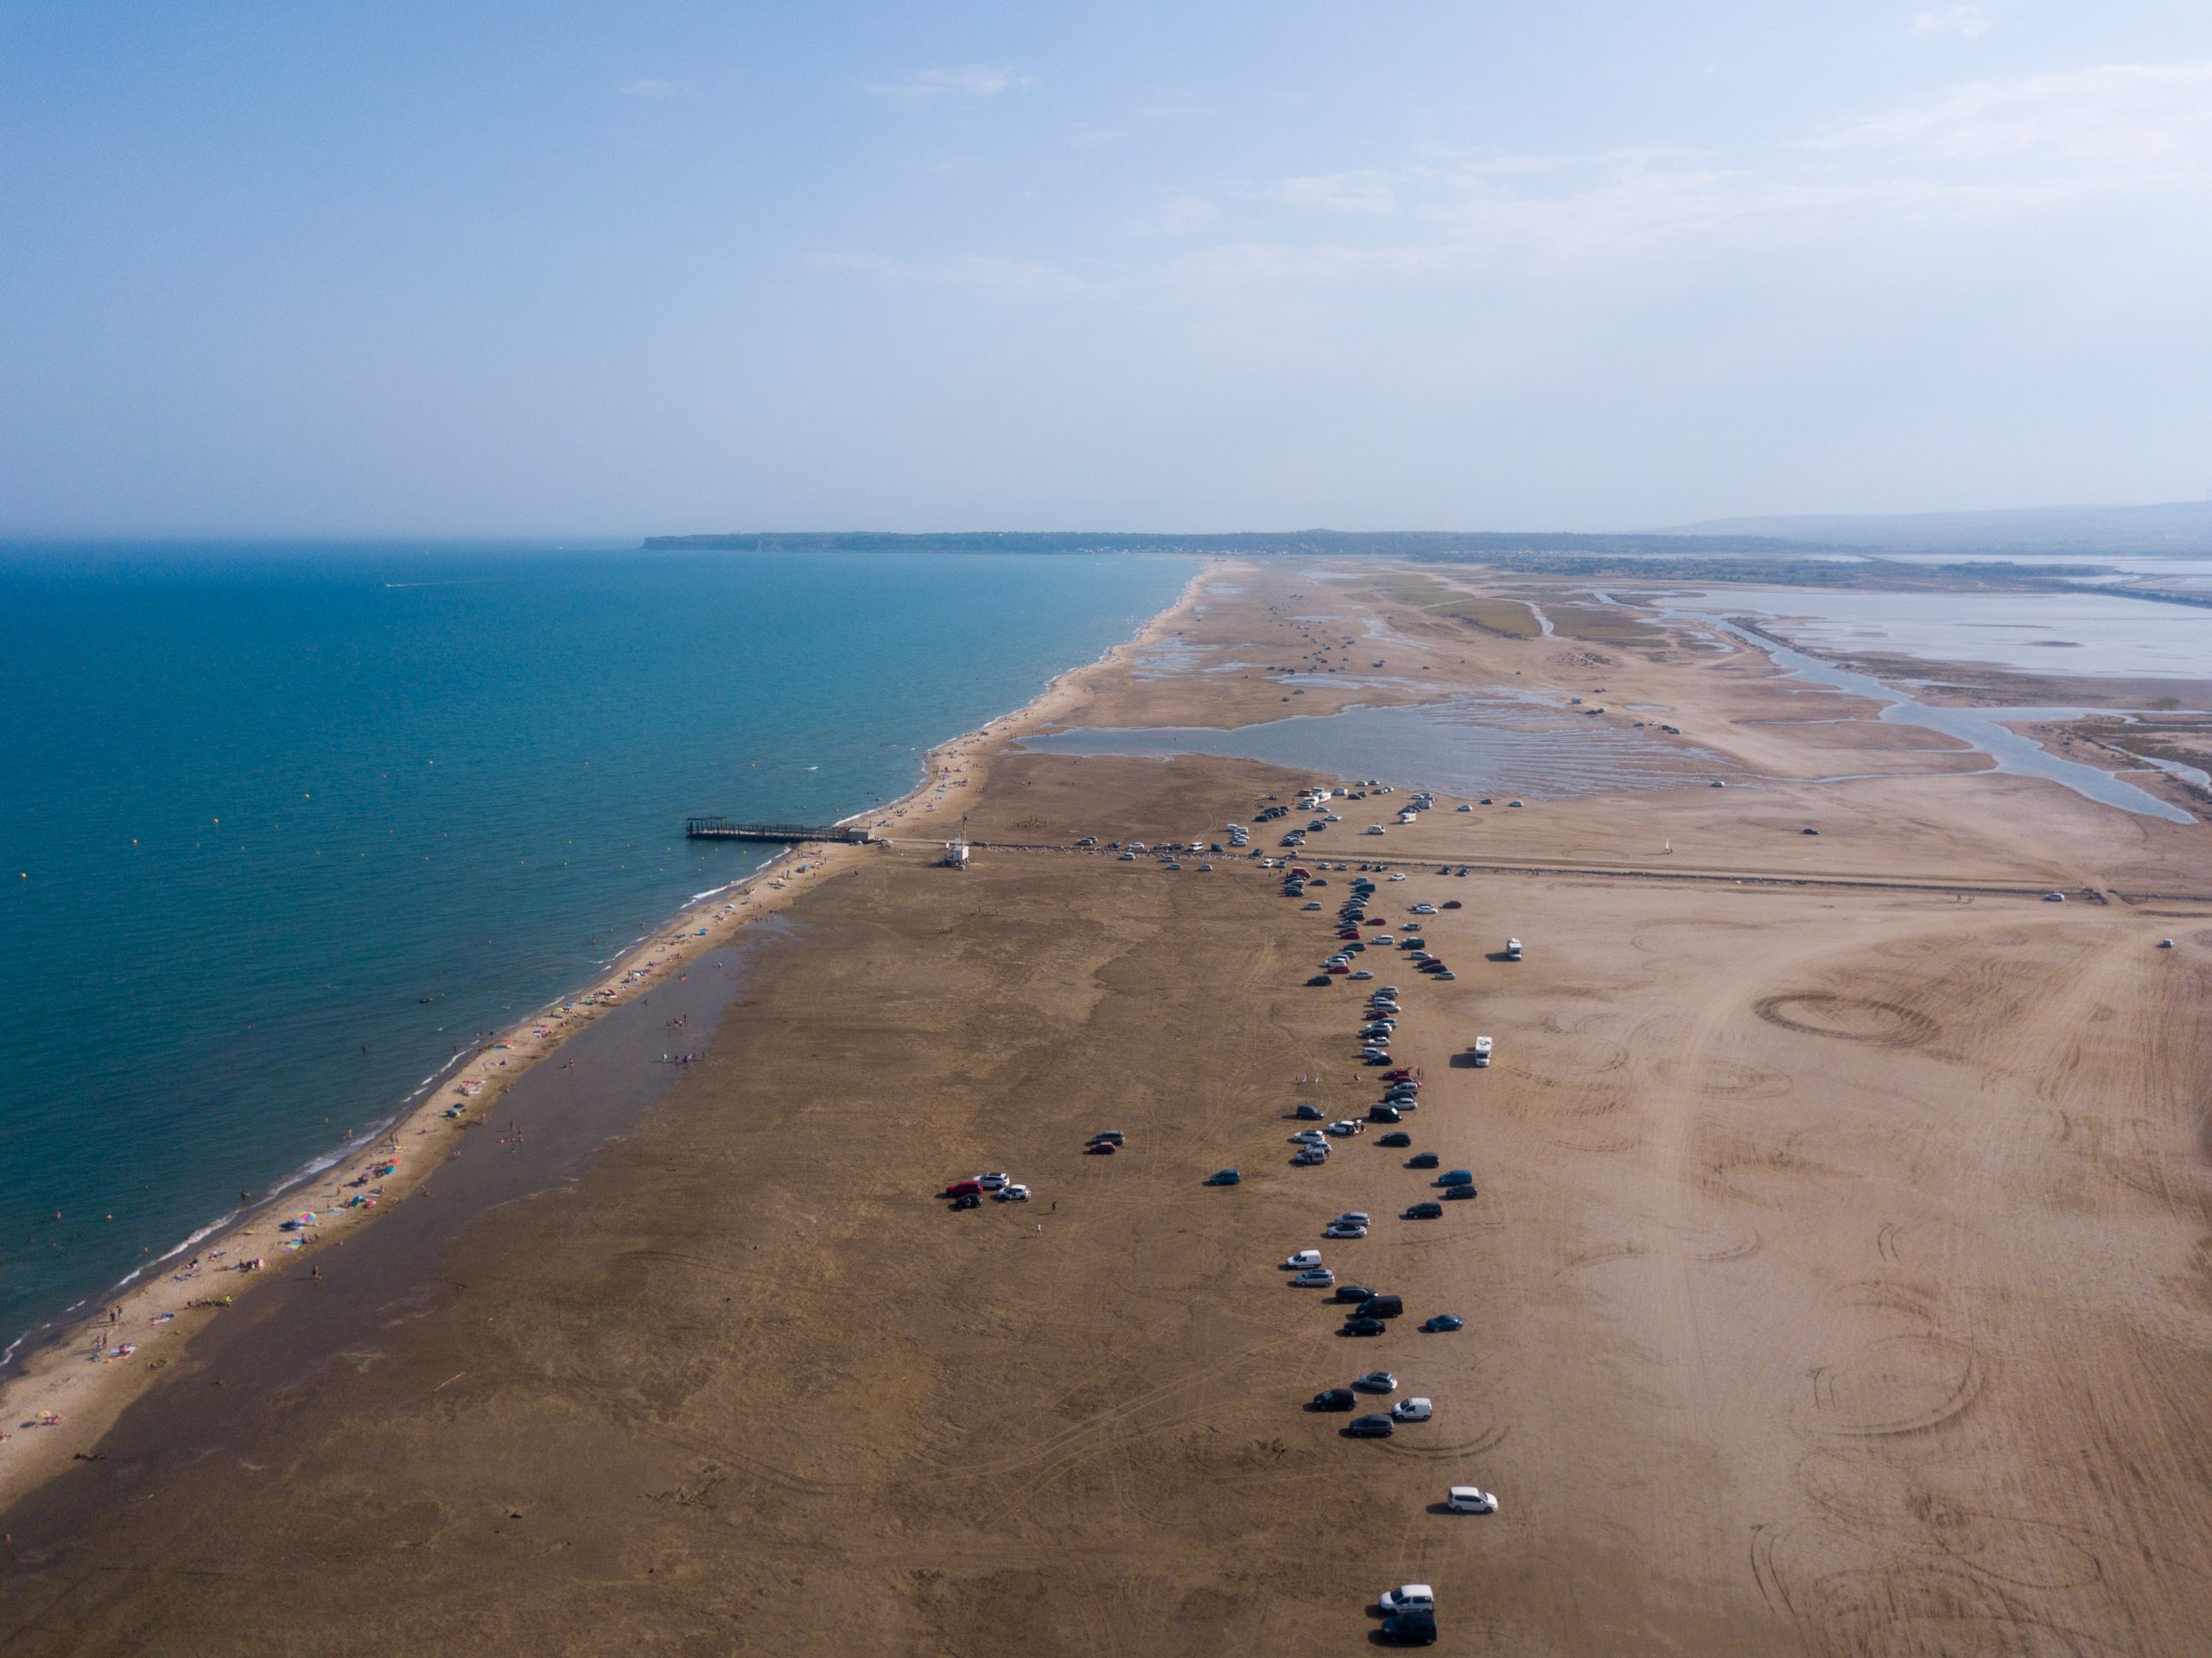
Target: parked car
point(1320, 979)
point(992, 1181)
point(1422, 1160)
point(1453, 903)
point(1412, 1410)
point(1354, 1293)
point(963, 1189)
point(1362, 974)
point(1308, 1113)
point(1382, 1306)
point(1335, 1399)
point(1225, 1178)
point(1338, 1229)
point(1101, 1148)
point(1408, 1597)
point(1455, 1177)
point(1450, 1193)
point(1375, 1381)
point(1104, 1136)
point(1361, 1324)
point(1444, 1323)
point(1012, 1192)
point(1308, 1156)
point(1313, 1277)
point(1468, 1499)
point(1392, 1138)
point(1343, 1130)
point(1369, 1427)
point(1387, 1114)
point(969, 1200)
point(1409, 1628)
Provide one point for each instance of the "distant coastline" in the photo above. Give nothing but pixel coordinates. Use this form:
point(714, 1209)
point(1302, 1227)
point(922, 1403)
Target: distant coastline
point(1388, 544)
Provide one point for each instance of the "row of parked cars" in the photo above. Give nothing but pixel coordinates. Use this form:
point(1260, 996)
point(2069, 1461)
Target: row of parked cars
point(1409, 1610)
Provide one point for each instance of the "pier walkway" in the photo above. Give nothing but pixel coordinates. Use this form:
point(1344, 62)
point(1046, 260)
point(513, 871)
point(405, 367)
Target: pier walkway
point(721, 829)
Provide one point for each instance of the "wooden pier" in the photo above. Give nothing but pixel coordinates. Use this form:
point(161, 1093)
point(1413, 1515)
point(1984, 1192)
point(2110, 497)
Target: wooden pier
point(721, 829)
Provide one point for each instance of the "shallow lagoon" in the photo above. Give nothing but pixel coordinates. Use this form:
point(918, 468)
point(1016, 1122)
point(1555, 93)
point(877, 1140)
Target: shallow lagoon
point(2094, 634)
point(1466, 745)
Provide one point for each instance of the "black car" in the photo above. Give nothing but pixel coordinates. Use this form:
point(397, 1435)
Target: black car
point(1369, 1427)
point(1351, 1293)
point(1450, 1193)
point(1384, 1114)
point(1422, 1160)
point(1335, 1399)
point(1413, 1628)
point(1426, 1212)
point(967, 1200)
point(1320, 979)
point(1397, 1139)
point(1357, 1325)
point(1382, 1306)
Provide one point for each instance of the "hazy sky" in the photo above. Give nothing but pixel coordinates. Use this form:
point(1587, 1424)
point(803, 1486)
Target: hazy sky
point(483, 269)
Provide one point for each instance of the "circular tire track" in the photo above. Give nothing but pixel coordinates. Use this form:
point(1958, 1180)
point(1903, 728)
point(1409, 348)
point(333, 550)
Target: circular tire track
point(1848, 1018)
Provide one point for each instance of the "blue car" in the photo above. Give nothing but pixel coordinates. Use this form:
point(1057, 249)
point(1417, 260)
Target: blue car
point(1455, 1177)
point(1224, 1177)
point(1443, 1322)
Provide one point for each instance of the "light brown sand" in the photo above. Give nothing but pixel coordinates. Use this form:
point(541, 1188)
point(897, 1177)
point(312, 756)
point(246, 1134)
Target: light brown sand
point(1837, 1283)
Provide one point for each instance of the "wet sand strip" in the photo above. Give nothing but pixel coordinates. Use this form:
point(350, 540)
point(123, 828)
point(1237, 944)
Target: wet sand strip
point(269, 1349)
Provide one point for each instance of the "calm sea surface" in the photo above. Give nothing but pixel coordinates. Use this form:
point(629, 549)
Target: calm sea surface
point(282, 829)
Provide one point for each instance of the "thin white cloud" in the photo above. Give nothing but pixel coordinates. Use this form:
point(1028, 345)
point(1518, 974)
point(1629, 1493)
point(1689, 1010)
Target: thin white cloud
point(2128, 115)
point(1364, 191)
point(1180, 215)
point(975, 80)
point(1970, 22)
point(1980, 155)
point(647, 87)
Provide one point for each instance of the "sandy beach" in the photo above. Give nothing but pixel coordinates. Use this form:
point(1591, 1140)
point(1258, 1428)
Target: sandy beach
point(1836, 1283)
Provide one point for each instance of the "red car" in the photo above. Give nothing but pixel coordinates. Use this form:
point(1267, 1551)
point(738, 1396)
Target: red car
point(964, 1189)
point(1339, 968)
point(1400, 1075)
point(1101, 1148)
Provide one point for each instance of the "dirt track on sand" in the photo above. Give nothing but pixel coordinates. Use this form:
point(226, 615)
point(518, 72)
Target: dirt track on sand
point(1837, 1285)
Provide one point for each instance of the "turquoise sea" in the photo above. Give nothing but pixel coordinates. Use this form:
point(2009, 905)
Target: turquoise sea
point(283, 826)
